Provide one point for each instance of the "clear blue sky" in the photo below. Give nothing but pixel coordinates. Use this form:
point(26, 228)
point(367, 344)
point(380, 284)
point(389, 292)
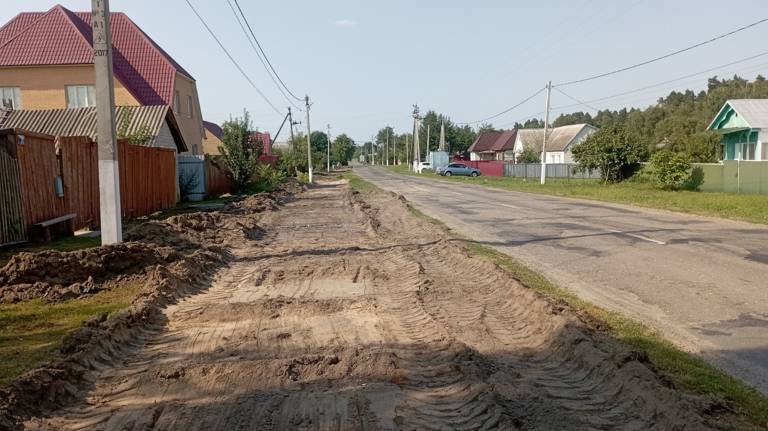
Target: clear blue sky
point(364, 63)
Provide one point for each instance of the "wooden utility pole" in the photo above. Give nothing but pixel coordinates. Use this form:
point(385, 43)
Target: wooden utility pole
point(544, 141)
point(290, 118)
point(309, 144)
point(109, 171)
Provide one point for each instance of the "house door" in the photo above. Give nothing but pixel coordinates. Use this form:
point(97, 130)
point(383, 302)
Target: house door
point(12, 225)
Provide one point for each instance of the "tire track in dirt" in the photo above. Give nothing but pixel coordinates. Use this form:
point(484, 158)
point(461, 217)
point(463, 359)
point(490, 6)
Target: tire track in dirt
point(353, 314)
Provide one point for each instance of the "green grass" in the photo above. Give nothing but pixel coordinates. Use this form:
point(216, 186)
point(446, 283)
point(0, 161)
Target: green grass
point(751, 208)
point(31, 332)
point(683, 369)
point(357, 183)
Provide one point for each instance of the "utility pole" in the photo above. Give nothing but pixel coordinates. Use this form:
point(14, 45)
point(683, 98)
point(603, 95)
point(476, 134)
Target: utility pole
point(407, 152)
point(386, 148)
point(427, 146)
point(290, 118)
point(544, 142)
point(109, 172)
point(328, 156)
point(416, 149)
point(309, 144)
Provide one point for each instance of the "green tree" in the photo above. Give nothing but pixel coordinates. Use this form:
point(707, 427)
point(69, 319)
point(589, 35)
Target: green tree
point(611, 150)
point(342, 149)
point(238, 158)
point(529, 155)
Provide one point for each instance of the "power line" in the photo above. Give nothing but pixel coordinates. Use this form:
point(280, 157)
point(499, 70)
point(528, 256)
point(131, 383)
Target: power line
point(653, 60)
point(242, 27)
point(264, 54)
point(647, 87)
point(506, 110)
point(574, 99)
point(232, 59)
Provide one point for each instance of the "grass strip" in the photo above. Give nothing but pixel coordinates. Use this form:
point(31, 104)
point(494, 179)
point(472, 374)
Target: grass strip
point(743, 207)
point(683, 369)
point(31, 332)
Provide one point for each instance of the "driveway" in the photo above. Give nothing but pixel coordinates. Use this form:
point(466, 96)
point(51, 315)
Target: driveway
point(702, 282)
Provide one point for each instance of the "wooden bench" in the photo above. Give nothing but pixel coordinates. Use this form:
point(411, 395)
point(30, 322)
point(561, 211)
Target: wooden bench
point(43, 229)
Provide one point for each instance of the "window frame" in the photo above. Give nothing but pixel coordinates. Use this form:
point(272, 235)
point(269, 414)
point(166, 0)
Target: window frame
point(190, 107)
point(15, 96)
point(90, 95)
point(176, 102)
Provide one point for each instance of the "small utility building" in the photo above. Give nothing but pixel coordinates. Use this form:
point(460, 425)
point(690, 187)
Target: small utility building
point(743, 123)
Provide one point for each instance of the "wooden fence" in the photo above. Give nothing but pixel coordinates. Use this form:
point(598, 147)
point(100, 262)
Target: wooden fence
point(32, 164)
point(12, 226)
point(147, 179)
point(217, 180)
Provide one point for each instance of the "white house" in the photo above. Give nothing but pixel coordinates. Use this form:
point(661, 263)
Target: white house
point(560, 141)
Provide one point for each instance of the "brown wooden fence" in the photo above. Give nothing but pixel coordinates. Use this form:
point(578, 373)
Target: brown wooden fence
point(147, 179)
point(217, 180)
point(30, 166)
point(12, 226)
point(80, 174)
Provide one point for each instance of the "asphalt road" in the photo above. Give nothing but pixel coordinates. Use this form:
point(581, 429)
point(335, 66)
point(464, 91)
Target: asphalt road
point(703, 282)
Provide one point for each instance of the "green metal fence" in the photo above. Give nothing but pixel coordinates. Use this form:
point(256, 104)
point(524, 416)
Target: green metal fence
point(735, 176)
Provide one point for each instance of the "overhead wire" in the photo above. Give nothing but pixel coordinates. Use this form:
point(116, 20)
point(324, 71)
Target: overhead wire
point(671, 54)
point(506, 110)
point(261, 59)
point(647, 87)
point(264, 54)
point(232, 59)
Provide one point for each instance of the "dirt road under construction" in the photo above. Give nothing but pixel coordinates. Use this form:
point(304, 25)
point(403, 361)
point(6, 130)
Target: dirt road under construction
point(351, 313)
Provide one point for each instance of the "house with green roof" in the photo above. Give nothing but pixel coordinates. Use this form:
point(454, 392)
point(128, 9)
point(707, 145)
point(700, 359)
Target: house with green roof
point(743, 124)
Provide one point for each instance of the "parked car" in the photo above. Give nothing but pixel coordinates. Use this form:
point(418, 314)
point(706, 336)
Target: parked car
point(458, 169)
point(424, 166)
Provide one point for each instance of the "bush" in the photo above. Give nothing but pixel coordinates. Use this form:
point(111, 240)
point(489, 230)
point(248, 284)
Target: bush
point(671, 171)
point(267, 178)
point(529, 155)
point(611, 150)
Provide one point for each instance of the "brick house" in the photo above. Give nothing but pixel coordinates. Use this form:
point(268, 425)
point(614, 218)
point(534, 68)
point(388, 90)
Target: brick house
point(46, 62)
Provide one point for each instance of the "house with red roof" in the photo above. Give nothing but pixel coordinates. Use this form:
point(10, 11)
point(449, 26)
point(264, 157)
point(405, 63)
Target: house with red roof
point(497, 145)
point(46, 62)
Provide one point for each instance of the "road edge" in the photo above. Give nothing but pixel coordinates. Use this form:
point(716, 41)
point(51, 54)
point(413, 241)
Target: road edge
point(739, 405)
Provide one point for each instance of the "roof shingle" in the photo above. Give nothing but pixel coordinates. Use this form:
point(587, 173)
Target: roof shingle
point(494, 141)
point(62, 37)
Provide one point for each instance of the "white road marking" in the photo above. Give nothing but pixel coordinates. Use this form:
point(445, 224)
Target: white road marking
point(508, 206)
point(634, 235)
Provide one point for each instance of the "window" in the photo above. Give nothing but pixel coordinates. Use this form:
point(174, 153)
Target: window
point(10, 97)
point(176, 107)
point(189, 106)
point(81, 96)
point(748, 151)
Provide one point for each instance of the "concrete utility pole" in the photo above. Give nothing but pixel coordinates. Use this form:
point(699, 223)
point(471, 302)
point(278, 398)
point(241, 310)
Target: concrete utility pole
point(328, 156)
point(544, 142)
point(427, 146)
point(109, 172)
point(386, 148)
point(309, 144)
point(407, 152)
point(416, 149)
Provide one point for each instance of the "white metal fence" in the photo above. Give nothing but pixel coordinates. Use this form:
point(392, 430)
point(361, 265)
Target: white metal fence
point(554, 170)
point(191, 170)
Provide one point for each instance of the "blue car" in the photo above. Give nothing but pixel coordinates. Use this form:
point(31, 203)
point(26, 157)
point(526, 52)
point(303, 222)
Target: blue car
point(458, 169)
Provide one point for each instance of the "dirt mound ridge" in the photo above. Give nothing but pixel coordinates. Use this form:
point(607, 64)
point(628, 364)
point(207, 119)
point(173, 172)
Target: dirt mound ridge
point(174, 258)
